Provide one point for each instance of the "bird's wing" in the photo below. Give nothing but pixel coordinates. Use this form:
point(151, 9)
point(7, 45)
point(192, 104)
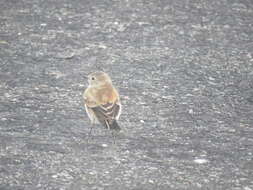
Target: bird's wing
point(107, 112)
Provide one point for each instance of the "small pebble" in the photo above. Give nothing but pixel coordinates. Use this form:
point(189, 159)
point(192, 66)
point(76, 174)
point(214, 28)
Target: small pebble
point(104, 145)
point(200, 161)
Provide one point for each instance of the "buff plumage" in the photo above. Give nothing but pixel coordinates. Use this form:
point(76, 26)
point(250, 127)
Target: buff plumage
point(102, 102)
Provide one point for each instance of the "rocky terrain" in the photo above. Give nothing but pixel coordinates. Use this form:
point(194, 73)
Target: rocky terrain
point(184, 70)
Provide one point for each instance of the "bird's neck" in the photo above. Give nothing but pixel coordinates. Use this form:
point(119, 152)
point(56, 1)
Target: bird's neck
point(102, 85)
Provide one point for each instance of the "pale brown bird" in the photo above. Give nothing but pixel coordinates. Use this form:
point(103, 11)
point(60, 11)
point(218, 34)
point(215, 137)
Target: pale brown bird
point(102, 102)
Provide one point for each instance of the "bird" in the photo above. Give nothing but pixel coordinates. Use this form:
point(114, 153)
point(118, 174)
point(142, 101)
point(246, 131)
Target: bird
point(102, 101)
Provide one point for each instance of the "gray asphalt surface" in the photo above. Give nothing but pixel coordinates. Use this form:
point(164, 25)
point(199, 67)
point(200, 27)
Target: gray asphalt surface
point(184, 70)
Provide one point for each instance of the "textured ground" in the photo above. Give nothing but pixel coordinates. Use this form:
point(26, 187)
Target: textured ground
point(184, 70)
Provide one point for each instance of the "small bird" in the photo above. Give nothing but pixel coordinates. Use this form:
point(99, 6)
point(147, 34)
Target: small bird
point(102, 102)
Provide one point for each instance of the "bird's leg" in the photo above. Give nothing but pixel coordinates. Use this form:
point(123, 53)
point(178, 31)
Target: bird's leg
point(113, 136)
point(89, 134)
point(112, 132)
point(109, 129)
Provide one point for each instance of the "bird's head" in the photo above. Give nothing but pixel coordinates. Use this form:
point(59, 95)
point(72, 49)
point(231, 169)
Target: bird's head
point(99, 78)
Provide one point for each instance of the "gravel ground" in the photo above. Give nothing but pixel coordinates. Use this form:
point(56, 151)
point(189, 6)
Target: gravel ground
point(184, 70)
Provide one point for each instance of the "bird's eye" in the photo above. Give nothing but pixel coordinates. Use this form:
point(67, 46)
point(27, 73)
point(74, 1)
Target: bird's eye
point(92, 78)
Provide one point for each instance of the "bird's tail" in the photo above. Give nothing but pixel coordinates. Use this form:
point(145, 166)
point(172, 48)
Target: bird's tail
point(113, 125)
